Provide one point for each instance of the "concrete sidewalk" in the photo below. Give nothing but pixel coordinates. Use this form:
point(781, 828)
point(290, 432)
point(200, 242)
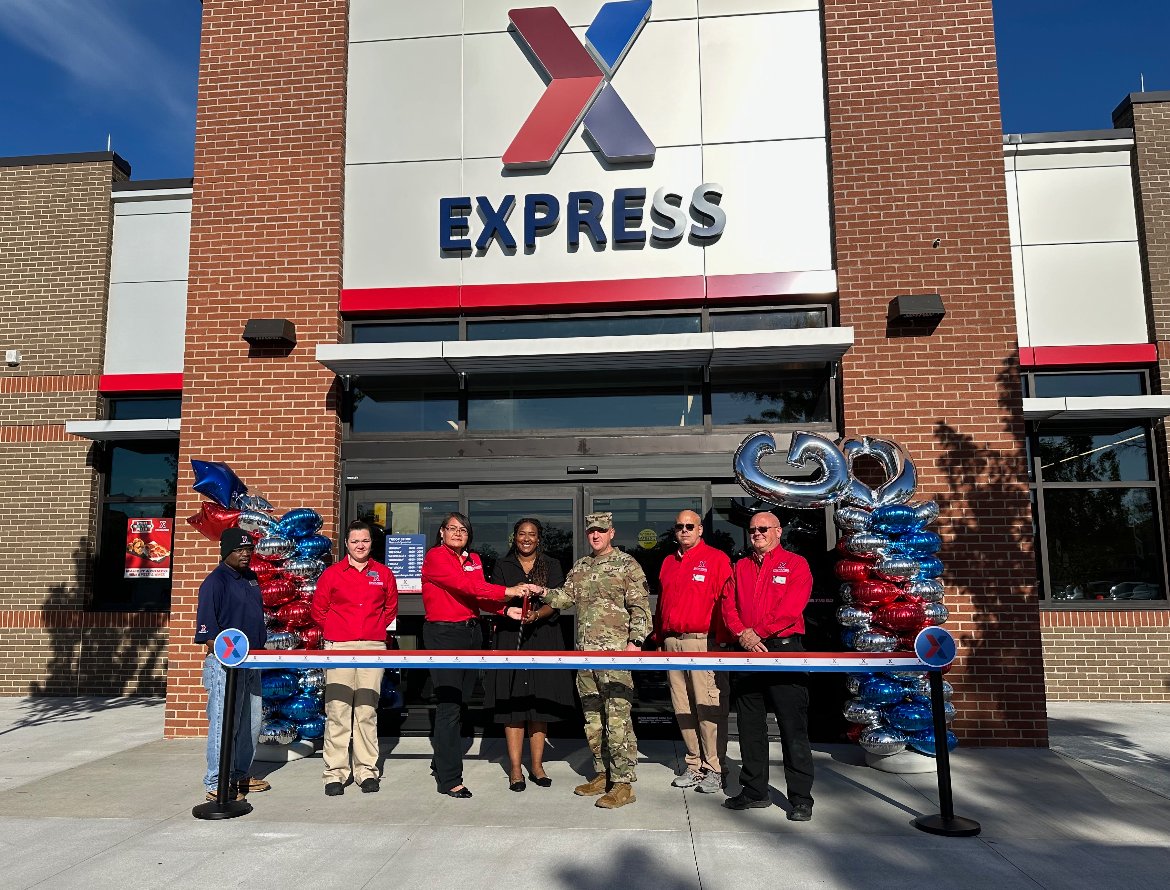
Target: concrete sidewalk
point(1083, 814)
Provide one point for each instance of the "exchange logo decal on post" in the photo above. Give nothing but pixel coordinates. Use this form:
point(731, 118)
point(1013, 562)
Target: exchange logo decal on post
point(579, 88)
point(231, 647)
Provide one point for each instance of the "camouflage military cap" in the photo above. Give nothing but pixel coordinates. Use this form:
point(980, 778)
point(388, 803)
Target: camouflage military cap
point(603, 521)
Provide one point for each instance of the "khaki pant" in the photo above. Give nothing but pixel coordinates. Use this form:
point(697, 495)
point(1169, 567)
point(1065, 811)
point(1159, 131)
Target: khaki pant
point(700, 700)
point(351, 713)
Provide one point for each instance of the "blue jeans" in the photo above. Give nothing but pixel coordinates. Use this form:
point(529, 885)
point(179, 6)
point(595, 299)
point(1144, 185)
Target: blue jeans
point(248, 717)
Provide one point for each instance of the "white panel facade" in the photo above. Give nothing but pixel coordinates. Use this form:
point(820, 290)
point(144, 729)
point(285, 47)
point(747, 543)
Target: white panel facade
point(778, 221)
point(733, 97)
point(144, 327)
point(1084, 294)
point(762, 77)
point(151, 246)
point(1076, 204)
point(388, 242)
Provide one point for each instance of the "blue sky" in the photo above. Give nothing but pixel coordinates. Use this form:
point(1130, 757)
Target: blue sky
point(75, 71)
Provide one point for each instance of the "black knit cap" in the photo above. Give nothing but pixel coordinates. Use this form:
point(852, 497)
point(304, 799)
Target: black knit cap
point(234, 539)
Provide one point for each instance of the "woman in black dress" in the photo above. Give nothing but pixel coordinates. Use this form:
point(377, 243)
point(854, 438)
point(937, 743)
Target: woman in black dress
point(525, 696)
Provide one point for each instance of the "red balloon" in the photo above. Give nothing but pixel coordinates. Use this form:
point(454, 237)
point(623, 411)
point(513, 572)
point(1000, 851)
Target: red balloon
point(311, 637)
point(852, 570)
point(874, 593)
point(264, 570)
point(901, 617)
point(277, 590)
point(212, 520)
point(295, 615)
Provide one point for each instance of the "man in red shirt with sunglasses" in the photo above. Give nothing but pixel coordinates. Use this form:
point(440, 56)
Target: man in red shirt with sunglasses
point(694, 580)
point(766, 614)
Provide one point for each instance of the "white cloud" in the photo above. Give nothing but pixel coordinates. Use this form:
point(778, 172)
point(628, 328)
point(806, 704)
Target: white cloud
point(101, 47)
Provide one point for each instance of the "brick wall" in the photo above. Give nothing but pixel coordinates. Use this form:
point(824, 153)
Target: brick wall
point(919, 207)
point(55, 235)
point(1108, 655)
point(265, 243)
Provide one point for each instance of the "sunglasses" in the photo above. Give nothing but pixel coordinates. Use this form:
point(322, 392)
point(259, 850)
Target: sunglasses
point(761, 529)
point(679, 526)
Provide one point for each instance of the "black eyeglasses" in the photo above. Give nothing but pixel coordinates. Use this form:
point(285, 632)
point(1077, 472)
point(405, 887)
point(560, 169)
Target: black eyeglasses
point(761, 529)
point(679, 526)
point(455, 529)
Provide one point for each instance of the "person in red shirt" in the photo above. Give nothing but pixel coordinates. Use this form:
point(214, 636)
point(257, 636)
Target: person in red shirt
point(694, 580)
point(356, 603)
point(454, 591)
point(766, 614)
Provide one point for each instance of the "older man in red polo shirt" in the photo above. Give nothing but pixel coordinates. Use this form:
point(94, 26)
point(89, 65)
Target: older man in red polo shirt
point(766, 613)
point(694, 579)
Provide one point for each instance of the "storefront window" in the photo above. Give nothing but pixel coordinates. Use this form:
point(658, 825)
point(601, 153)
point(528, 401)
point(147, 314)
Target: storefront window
point(770, 320)
point(144, 409)
point(617, 326)
point(769, 396)
point(409, 332)
point(1118, 383)
point(594, 400)
point(405, 405)
point(133, 566)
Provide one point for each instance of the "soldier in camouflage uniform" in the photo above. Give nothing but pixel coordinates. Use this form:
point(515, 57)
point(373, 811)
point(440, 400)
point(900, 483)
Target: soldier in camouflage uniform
point(613, 613)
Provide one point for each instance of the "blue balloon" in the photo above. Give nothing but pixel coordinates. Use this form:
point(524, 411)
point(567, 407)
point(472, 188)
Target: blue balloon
point(216, 480)
point(924, 743)
point(313, 728)
point(911, 717)
point(299, 523)
point(847, 637)
point(929, 567)
point(313, 546)
point(893, 518)
point(880, 691)
point(301, 707)
point(920, 543)
point(278, 685)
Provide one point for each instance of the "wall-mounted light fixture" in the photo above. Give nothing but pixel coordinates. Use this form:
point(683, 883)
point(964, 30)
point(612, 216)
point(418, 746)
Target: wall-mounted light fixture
point(917, 308)
point(274, 333)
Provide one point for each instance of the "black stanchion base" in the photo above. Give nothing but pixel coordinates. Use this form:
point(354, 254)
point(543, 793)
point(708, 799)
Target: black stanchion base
point(955, 826)
point(229, 809)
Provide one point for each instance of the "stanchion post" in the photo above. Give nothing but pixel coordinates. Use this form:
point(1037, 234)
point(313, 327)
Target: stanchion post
point(945, 822)
point(225, 806)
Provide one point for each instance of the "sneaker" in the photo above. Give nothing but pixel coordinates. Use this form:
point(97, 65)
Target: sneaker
point(621, 794)
point(710, 782)
point(596, 785)
point(689, 779)
point(742, 802)
point(334, 789)
point(801, 812)
point(370, 785)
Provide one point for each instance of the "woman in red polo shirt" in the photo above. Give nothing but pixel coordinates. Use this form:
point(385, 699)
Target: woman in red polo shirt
point(454, 591)
point(356, 603)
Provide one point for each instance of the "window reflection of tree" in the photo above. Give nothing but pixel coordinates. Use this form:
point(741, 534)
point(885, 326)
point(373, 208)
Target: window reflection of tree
point(1088, 456)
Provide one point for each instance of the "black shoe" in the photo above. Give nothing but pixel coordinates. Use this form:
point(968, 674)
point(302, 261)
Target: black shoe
point(801, 812)
point(742, 802)
point(334, 789)
point(463, 793)
point(542, 781)
point(517, 786)
point(370, 785)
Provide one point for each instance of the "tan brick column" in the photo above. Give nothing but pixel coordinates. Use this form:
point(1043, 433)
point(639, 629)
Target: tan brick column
point(265, 243)
point(919, 207)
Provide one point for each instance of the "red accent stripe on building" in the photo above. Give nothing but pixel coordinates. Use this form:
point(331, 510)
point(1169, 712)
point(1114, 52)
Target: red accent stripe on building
point(762, 284)
point(141, 383)
point(1064, 356)
point(583, 293)
point(381, 300)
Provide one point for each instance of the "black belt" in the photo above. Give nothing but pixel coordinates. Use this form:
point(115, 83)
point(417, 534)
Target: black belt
point(470, 622)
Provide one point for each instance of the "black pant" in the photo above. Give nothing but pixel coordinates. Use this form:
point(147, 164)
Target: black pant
point(787, 692)
point(453, 686)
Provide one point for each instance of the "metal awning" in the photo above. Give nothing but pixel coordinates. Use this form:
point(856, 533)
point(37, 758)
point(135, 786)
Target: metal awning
point(550, 354)
point(148, 428)
point(1096, 407)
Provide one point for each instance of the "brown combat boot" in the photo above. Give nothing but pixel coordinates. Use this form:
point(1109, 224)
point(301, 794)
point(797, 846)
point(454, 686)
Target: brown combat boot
point(596, 785)
point(622, 794)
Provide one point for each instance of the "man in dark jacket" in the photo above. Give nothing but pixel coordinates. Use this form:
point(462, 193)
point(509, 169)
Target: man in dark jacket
point(230, 597)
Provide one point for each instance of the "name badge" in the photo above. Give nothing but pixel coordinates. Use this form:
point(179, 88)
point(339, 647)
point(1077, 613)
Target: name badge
point(698, 577)
point(779, 579)
point(470, 568)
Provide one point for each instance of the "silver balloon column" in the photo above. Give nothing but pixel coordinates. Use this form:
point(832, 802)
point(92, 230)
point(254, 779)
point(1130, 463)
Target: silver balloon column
point(888, 569)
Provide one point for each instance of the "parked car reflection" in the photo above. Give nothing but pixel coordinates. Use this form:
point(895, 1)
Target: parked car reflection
point(1105, 590)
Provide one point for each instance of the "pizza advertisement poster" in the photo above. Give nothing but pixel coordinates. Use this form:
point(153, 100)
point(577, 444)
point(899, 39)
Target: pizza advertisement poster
point(148, 547)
